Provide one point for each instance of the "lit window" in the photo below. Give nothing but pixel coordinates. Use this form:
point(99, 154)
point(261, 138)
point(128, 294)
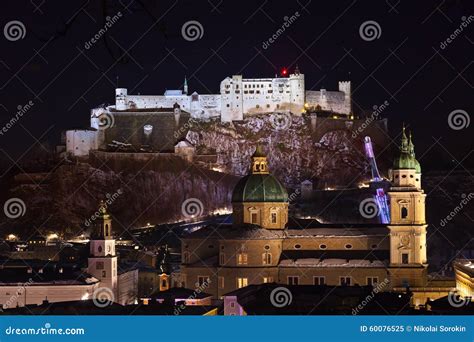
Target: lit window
point(267, 258)
point(222, 258)
point(221, 282)
point(274, 217)
point(267, 280)
point(242, 259)
point(254, 217)
point(242, 282)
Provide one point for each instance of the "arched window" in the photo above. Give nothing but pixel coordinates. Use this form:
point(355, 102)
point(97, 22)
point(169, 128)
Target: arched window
point(403, 212)
point(267, 258)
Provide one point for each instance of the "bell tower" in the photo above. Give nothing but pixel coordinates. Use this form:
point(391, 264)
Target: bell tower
point(102, 262)
point(408, 260)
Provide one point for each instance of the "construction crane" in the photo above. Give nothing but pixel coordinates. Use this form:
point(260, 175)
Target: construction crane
point(379, 196)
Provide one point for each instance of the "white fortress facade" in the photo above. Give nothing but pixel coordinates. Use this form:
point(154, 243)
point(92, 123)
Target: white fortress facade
point(238, 97)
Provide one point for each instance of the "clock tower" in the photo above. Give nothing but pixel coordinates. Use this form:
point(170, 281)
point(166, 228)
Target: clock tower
point(408, 261)
point(102, 262)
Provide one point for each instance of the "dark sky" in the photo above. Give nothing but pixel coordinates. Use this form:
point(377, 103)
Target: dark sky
point(405, 66)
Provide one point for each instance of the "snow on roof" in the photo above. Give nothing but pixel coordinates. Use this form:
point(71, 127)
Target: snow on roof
point(313, 262)
point(173, 92)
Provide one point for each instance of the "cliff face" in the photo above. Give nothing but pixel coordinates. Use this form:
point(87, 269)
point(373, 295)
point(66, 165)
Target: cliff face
point(298, 148)
point(145, 189)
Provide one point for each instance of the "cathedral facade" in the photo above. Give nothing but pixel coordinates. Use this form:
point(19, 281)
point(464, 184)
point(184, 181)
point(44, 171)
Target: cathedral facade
point(264, 245)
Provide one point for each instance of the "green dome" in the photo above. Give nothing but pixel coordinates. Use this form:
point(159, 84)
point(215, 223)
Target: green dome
point(417, 166)
point(404, 161)
point(259, 188)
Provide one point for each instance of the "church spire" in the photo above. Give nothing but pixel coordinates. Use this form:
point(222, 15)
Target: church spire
point(185, 87)
point(404, 142)
point(103, 226)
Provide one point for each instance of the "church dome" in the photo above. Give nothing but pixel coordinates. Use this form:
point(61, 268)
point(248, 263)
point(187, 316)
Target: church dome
point(259, 188)
point(259, 185)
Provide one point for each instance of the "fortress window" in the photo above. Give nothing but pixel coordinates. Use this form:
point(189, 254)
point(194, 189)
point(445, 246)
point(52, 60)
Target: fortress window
point(237, 92)
point(297, 246)
point(257, 106)
point(278, 106)
point(323, 246)
point(228, 105)
point(268, 106)
point(270, 91)
point(348, 246)
point(258, 91)
point(246, 91)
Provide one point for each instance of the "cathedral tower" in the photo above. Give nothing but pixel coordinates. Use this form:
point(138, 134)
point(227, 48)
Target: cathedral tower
point(102, 262)
point(408, 261)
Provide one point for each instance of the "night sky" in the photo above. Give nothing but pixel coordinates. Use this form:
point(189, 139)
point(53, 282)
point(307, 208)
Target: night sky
point(145, 51)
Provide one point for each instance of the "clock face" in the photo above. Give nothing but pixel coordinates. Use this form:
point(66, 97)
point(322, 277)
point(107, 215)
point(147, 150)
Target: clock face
point(405, 239)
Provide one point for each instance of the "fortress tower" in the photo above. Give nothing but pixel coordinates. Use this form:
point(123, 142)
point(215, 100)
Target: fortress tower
point(297, 91)
point(345, 87)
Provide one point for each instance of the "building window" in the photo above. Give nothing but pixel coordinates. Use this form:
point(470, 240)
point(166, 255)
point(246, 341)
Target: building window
point(404, 258)
point(374, 246)
point(348, 246)
point(242, 282)
point(267, 258)
point(319, 280)
point(221, 282)
point(372, 281)
point(202, 280)
point(293, 280)
point(323, 246)
point(232, 304)
point(222, 258)
point(99, 249)
point(104, 274)
point(403, 212)
point(345, 281)
point(297, 246)
point(267, 280)
point(254, 218)
point(274, 217)
point(99, 265)
point(242, 259)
